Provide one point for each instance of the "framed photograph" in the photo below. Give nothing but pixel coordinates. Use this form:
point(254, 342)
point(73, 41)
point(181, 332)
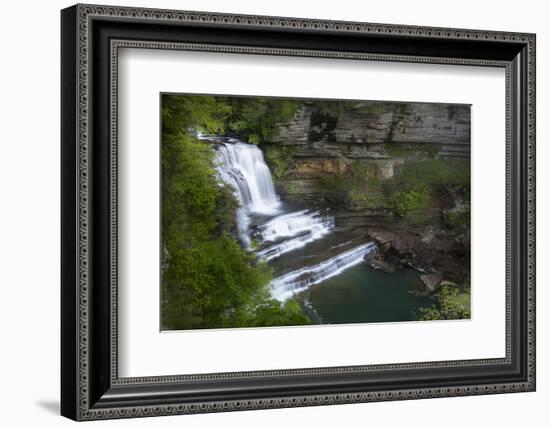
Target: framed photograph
point(263, 212)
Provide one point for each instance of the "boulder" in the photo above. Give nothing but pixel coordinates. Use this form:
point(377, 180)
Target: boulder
point(376, 262)
point(431, 281)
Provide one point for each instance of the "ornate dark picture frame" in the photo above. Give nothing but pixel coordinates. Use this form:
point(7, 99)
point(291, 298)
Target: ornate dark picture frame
point(90, 385)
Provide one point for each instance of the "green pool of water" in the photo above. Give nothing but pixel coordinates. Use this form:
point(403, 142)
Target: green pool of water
point(362, 295)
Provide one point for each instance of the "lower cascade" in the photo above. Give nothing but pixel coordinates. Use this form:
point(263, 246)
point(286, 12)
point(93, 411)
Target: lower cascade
point(292, 224)
point(261, 217)
point(294, 282)
point(292, 231)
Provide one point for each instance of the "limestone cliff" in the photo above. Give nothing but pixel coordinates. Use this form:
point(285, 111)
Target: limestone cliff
point(324, 140)
point(365, 129)
point(399, 171)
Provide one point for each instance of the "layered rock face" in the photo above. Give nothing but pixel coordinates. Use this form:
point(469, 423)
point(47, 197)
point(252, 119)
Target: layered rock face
point(365, 129)
point(327, 145)
point(380, 134)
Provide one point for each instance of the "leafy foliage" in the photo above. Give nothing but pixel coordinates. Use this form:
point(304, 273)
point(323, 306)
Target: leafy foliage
point(415, 186)
point(200, 113)
point(435, 172)
point(208, 280)
point(457, 219)
point(406, 201)
point(280, 159)
point(211, 284)
point(360, 187)
point(257, 119)
point(275, 313)
point(452, 303)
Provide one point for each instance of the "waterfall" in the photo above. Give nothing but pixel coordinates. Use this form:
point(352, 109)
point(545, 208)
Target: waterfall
point(242, 165)
point(292, 224)
point(296, 230)
point(293, 282)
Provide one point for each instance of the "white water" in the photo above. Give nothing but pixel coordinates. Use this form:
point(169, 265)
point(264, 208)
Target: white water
point(296, 230)
point(292, 224)
point(294, 282)
point(278, 249)
point(242, 166)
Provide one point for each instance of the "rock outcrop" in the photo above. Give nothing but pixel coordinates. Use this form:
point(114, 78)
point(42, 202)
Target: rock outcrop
point(323, 145)
point(432, 281)
point(366, 129)
point(382, 135)
point(442, 254)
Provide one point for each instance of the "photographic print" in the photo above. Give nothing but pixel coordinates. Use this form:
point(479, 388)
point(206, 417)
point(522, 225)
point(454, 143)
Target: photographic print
point(318, 228)
point(296, 212)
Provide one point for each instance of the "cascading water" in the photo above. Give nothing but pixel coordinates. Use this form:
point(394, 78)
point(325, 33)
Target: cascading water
point(292, 224)
point(294, 282)
point(242, 166)
point(292, 231)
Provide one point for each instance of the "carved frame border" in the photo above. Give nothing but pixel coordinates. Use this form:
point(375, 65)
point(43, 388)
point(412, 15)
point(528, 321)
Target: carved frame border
point(85, 13)
point(118, 44)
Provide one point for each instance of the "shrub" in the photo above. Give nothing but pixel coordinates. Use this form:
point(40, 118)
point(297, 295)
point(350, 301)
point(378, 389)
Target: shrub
point(359, 188)
point(416, 184)
point(406, 201)
point(434, 172)
point(452, 303)
point(208, 279)
point(275, 313)
point(258, 119)
point(457, 219)
point(413, 187)
point(280, 159)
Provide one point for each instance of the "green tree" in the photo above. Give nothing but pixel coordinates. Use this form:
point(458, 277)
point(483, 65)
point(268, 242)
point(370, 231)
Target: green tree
point(275, 313)
point(257, 119)
point(208, 280)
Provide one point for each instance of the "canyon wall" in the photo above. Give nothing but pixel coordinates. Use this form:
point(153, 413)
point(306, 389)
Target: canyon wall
point(398, 171)
point(324, 139)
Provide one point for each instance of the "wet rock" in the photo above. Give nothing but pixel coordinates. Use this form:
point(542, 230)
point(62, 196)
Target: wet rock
point(382, 265)
point(448, 284)
point(368, 219)
point(376, 261)
point(425, 249)
point(401, 241)
point(432, 281)
point(370, 255)
point(393, 260)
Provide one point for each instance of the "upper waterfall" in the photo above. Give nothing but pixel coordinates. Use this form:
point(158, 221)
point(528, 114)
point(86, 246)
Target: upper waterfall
point(242, 165)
